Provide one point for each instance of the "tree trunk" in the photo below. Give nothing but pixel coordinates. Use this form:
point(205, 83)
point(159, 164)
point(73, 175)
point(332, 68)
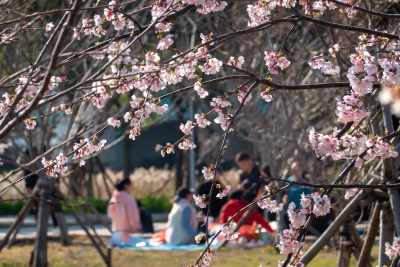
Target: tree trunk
point(345, 246)
point(369, 240)
point(40, 252)
point(386, 235)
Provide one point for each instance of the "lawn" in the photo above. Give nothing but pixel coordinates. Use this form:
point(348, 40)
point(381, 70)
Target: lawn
point(82, 253)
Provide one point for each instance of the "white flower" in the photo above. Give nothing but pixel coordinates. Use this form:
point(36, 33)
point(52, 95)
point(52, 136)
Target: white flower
point(114, 122)
point(224, 192)
point(208, 173)
point(229, 231)
point(49, 26)
point(165, 42)
point(199, 201)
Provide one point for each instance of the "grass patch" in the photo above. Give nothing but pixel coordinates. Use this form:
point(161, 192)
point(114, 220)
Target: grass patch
point(82, 253)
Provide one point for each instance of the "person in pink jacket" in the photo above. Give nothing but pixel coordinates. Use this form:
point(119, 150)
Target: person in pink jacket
point(123, 209)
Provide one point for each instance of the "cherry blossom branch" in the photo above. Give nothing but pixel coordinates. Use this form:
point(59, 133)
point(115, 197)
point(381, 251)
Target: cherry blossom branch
point(336, 186)
point(279, 190)
point(369, 11)
point(346, 27)
point(25, 166)
point(328, 190)
point(38, 14)
point(53, 61)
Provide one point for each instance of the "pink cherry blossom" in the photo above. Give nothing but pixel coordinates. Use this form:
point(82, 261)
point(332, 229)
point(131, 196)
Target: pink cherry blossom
point(229, 231)
point(208, 173)
point(212, 66)
point(288, 241)
point(323, 145)
point(187, 128)
point(199, 237)
point(119, 22)
point(223, 120)
point(349, 110)
point(270, 205)
point(242, 92)
point(218, 103)
point(201, 120)
point(199, 200)
point(168, 149)
point(186, 144)
point(393, 251)
point(224, 192)
point(236, 62)
point(325, 66)
point(321, 205)
point(273, 60)
point(297, 218)
point(200, 90)
point(358, 163)
point(165, 42)
point(266, 96)
point(30, 124)
point(164, 26)
point(350, 193)
point(360, 86)
point(114, 122)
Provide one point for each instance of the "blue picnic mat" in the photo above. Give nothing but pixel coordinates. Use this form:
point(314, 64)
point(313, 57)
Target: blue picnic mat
point(139, 243)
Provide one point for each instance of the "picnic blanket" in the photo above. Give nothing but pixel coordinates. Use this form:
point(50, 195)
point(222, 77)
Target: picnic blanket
point(157, 242)
point(128, 241)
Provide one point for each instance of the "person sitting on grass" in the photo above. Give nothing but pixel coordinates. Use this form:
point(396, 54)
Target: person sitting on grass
point(235, 204)
point(182, 220)
point(123, 209)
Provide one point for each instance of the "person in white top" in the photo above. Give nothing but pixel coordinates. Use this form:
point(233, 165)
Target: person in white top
point(182, 221)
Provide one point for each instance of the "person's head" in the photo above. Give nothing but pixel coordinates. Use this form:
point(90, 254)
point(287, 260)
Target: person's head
point(184, 193)
point(244, 162)
point(266, 171)
point(236, 195)
point(124, 184)
point(296, 170)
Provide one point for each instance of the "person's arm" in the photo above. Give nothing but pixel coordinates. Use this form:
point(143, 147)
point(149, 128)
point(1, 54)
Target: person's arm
point(187, 213)
point(133, 214)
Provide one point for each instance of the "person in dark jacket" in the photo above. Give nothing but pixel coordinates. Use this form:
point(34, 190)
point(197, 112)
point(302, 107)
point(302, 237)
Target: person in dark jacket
point(145, 218)
point(250, 181)
point(216, 203)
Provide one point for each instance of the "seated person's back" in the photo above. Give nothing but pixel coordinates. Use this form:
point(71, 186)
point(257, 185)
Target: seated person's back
point(182, 220)
point(123, 209)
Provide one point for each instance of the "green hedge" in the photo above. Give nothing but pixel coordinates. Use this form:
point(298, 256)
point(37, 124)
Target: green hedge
point(11, 208)
point(152, 203)
point(156, 203)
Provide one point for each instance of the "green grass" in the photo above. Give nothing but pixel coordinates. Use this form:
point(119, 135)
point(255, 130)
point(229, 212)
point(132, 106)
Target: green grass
point(82, 253)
